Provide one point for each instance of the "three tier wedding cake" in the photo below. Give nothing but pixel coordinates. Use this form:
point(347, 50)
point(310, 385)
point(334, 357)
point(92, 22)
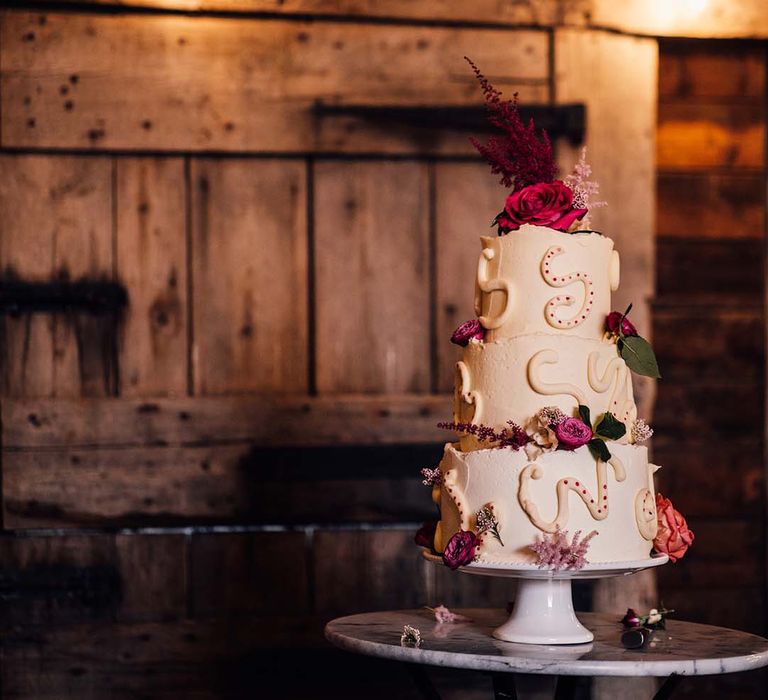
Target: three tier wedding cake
point(548, 465)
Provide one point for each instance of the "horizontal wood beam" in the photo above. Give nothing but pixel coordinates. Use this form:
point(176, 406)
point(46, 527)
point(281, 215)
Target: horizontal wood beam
point(187, 422)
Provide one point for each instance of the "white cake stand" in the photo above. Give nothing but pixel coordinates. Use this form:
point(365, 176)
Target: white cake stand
point(543, 612)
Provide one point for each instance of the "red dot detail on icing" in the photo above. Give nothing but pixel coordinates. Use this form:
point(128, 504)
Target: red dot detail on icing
point(565, 481)
point(605, 486)
point(591, 500)
point(584, 492)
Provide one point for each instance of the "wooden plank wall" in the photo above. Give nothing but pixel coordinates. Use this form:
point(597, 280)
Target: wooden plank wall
point(708, 329)
point(191, 486)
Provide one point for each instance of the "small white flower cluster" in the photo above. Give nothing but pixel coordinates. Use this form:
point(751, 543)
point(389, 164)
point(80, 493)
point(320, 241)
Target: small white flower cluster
point(411, 637)
point(486, 520)
point(641, 431)
point(432, 477)
point(654, 616)
point(551, 415)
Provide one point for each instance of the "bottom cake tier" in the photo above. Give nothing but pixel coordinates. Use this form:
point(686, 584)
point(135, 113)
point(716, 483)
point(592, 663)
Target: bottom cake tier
point(565, 490)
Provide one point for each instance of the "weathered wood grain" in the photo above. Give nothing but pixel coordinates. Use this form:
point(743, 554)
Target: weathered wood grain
point(57, 223)
point(732, 71)
point(710, 271)
point(154, 574)
point(372, 277)
point(540, 12)
point(264, 573)
point(710, 205)
point(249, 265)
point(199, 660)
point(467, 198)
point(152, 265)
point(276, 422)
point(383, 571)
point(231, 484)
point(242, 86)
point(721, 344)
point(694, 136)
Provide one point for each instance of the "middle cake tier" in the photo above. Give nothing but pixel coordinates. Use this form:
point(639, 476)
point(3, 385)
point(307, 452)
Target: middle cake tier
point(510, 380)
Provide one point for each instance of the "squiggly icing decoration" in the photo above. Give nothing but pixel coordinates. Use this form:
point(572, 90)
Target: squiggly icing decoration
point(550, 357)
point(565, 299)
point(457, 496)
point(597, 504)
point(469, 396)
point(487, 285)
point(645, 508)
point(621, 405)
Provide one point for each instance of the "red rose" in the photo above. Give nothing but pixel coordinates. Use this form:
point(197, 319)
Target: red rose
point(673, 537)
point(543, 204)
point(467, 331)
point(460, 549)
point(572, 433)
point(612, 324)
point(425, 535)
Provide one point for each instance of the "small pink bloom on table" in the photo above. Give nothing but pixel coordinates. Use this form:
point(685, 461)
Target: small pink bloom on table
point(445, 616)
point(460, 549)
point(572, 433)
point(543, 204)
point(469, 330)
point(615, 321)
point(673, 537)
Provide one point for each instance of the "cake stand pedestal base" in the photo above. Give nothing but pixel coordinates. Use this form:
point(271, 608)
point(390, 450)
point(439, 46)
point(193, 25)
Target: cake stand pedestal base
point(544, 614)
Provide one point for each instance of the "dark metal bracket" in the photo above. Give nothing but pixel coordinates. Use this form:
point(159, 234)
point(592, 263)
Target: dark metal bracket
point(559, 121)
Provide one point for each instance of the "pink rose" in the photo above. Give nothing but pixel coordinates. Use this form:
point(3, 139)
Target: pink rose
point(460, 549)
point(467, 331)
point(673, 537)
point(612, 324)
point(572, 433)
point(543, 204)
point(425, 535)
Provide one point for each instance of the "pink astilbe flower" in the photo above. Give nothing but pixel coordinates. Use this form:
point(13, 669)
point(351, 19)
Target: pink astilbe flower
point(583, 188)
point(519, 156)
point(431, 477)
point(554, 551)
point(513, 436)
point(444, 616)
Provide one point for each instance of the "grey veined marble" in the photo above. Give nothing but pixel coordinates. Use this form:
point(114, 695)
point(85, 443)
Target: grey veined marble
point(684, 648)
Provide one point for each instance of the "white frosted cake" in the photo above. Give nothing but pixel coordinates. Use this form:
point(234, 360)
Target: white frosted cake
point(548, 441)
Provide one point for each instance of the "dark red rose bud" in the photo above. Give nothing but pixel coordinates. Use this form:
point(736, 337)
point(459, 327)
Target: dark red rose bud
point(631, 619)
point(425, 535)
point(612, 324)
point(460, 549)
point(469, 330)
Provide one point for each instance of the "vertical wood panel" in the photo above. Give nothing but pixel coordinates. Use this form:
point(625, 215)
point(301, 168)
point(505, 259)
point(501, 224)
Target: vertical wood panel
point(372, 271)
point(57, 222)
point(152, 264)
point(249, 268)
point(468, 197)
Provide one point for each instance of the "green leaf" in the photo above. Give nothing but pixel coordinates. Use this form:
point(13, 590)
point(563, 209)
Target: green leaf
point(584, 413)
point(599, 449)
point(610, 428)
point(638, 354)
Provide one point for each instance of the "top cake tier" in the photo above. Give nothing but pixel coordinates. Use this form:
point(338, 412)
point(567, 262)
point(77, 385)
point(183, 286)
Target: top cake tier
point(539, 280)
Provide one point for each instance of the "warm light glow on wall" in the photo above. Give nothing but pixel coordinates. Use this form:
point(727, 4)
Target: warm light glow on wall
point(672, 13)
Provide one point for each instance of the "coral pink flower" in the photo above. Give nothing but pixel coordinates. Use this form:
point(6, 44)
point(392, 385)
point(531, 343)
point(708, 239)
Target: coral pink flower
point(460, 549)
point(572, 433)
point(543, 204)
point(673, 537)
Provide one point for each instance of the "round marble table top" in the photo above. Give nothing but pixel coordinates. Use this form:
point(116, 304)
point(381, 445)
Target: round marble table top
point(684, 648)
